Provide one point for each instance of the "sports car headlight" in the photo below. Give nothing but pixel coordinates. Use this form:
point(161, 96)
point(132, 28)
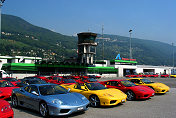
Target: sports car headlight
point(83, 98)
point(56, 101)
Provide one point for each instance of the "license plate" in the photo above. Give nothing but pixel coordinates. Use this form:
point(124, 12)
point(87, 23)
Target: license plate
point(80, 108)
point(123, 100)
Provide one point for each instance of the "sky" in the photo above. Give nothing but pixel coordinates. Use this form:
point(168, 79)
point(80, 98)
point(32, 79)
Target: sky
point(149, 19)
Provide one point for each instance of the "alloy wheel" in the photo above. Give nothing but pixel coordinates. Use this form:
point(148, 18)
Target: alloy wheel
point(14, 101)
point(43, 109)
point(94, 101)
point(130, 95)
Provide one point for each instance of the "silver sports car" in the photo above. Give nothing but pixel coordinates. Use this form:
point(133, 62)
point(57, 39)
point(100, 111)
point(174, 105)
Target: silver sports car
point(49, 99)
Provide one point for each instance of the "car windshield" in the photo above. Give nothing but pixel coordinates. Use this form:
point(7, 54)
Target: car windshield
point(146, 73)
point(91, 80)
point(36, 82)
point(5, 84)
point(146, 81)
point(57, 78)
point(95, 86)
point(69, 81)
point(52, 90)
point(11, 79)
point(127, 83)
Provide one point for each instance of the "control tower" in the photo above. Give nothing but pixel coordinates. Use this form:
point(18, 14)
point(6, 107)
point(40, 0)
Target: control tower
point(86, 47)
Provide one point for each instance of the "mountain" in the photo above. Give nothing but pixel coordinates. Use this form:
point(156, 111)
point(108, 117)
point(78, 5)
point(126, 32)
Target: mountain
point(19, 37)
point(22, 38)
point(145, 51)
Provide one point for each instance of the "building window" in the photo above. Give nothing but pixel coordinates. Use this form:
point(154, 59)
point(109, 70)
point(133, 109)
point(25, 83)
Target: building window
point(9, 60)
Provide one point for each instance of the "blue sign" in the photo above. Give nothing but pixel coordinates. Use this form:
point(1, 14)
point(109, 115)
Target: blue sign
point(118, 57)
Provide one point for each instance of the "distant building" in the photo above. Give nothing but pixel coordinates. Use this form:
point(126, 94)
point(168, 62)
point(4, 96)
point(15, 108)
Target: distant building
point(124, 66)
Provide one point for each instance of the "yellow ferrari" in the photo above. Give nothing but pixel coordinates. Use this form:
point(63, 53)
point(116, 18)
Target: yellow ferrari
point(157, 87)
point(98, 94)
point(173, 76)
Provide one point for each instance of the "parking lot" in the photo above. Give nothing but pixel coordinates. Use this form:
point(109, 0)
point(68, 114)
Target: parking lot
point(159, 106)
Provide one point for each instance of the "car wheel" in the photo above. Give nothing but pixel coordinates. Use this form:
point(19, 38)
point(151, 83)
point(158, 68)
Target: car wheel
point(94, 101)
point(14, 101)
point(130, 95)
point(43, 109)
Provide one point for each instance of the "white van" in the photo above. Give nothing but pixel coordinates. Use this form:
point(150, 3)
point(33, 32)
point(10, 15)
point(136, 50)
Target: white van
point(3, 74)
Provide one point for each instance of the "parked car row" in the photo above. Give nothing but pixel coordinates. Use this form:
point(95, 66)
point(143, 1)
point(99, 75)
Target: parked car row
point(58, 96)
point(147, 74)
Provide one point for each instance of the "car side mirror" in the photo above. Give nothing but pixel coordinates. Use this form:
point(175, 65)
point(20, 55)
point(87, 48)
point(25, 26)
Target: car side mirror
point(21, 90)
point(83, 87)
point(35, 93)
point(68, 89)
point(19, 85)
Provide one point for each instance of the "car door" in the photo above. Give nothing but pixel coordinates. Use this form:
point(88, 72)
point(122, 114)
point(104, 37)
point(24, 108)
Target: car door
point(33, 98)
point(25, 98)
point(111, 84)
point(85, 92)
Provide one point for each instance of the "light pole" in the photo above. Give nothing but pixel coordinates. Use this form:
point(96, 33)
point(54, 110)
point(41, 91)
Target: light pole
point(103, 41)
point(173, 56)
point(1, 3)
point(130, 31)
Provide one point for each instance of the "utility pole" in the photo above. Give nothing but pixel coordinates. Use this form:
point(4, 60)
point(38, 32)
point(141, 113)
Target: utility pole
point(130, 31)
point(103, 42)
point(173, 56)
point(102, 37)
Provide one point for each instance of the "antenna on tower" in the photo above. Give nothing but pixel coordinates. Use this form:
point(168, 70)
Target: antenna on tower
point(102, 37)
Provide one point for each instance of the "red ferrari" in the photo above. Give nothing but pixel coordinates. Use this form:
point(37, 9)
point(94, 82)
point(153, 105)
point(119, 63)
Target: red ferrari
point(6, 89)
point(83, 80)
point(67, 81)
point(6, 110)
point(164, 75)
point(132, 90)
point(40, 77)
point(14, 81)
point(75, 77)
point(53, 79)
point(63, 81)
point(153, 75)
point(134, 75)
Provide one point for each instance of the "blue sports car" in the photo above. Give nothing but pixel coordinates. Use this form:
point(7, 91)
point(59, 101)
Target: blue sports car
point(49, 99)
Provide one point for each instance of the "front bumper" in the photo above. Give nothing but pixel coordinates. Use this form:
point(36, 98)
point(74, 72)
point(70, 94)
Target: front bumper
point(9, 114)
point(144, 95)
point(111, 102)
point(161, 90)
point(66, 109)
point(5, 96)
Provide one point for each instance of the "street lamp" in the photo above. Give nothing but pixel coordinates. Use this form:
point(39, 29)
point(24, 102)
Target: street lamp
point(1, 3)
point(173, 56)
point(130, 31)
